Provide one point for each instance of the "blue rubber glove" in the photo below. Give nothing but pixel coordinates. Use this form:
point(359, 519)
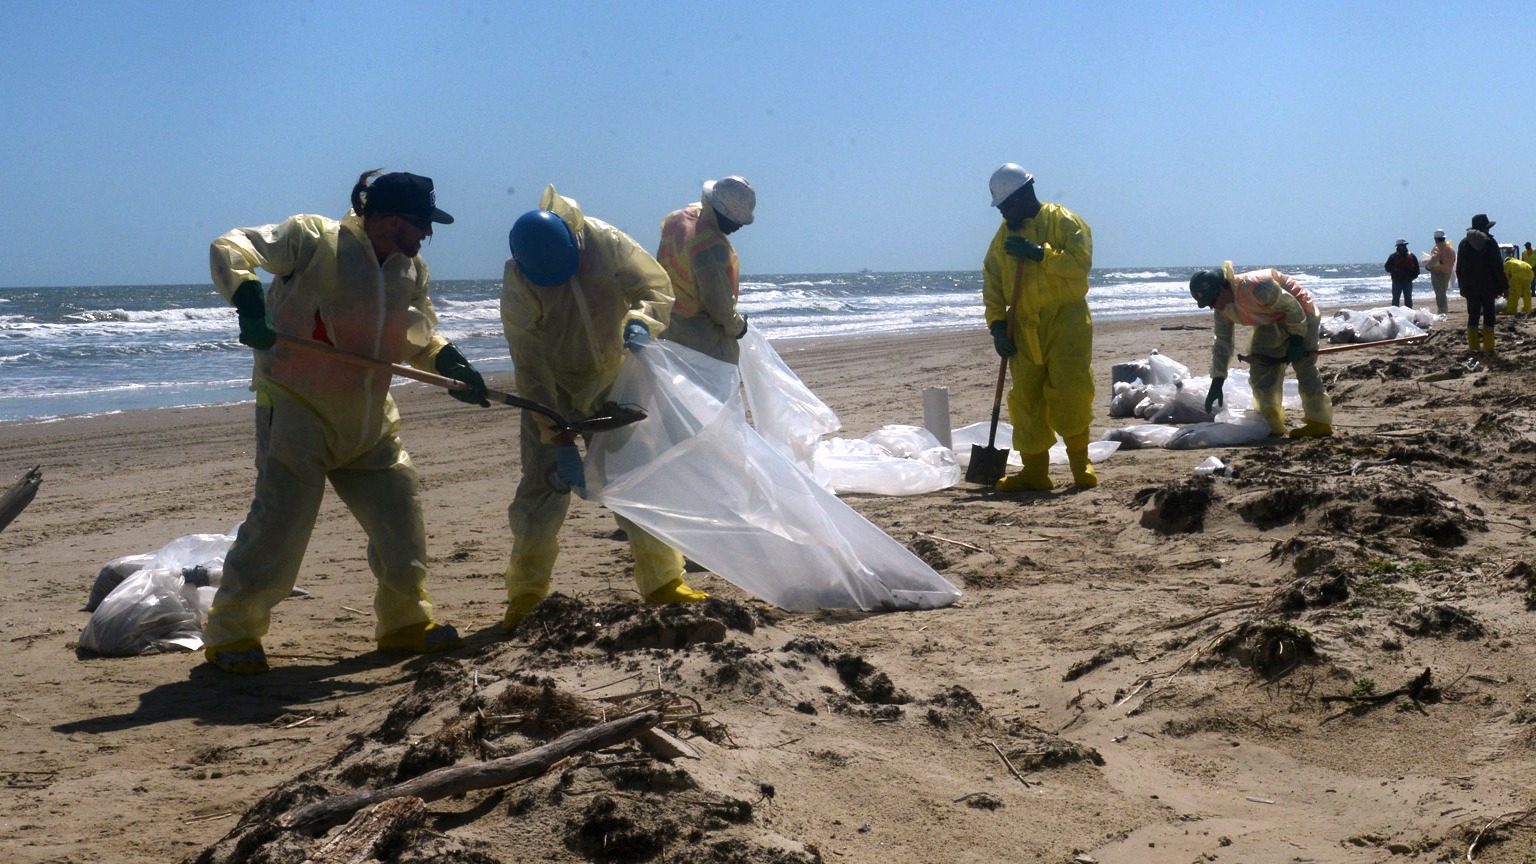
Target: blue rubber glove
point(1018, 247)
point(450, 363)
point(1295, 349)
point(1214, 397)
point(636, 334)
point(251, 305)
point(569, 468)
point(1000, 342)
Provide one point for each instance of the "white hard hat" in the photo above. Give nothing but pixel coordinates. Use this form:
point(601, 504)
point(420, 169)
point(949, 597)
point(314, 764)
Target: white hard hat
point(1007, 180)
point(732, 197)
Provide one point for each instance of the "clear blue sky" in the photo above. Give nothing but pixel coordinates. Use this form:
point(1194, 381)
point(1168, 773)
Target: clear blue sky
point(1265, 132)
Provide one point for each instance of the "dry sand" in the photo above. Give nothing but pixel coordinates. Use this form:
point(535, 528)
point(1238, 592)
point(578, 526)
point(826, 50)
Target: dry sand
point(1249, 689)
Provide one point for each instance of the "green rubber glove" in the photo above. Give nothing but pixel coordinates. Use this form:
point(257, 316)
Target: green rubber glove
point(251, 305)
point(1018, 247)
point(1295, 349)
point(450, 363)
point(1000, 341)
point(1214, 397)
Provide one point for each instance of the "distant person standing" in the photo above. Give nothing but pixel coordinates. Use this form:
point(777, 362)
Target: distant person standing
point(1039, 261)
point(1442, 265)
point(1480, 277)
point(1403, 267)
point(704, 269)
point(1519, 274)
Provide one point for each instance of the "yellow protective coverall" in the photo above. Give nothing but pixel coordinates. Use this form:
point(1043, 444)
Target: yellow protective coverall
point(1052, 370)
point(1520, 275)
point(319, 418)
point(705, 272)
point(567, 346)
point(1276, 307)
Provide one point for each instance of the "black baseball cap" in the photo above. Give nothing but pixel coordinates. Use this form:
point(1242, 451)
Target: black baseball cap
point(405, 194)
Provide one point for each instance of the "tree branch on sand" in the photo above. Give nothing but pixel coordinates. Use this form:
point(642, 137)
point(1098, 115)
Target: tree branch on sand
point(19, 496)
point(455, 779)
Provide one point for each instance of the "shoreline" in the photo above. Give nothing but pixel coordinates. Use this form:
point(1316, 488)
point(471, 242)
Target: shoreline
point(1104, 327)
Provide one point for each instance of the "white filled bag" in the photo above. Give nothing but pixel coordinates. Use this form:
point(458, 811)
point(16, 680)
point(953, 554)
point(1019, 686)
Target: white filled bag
point(161, 604)
point(696, 475)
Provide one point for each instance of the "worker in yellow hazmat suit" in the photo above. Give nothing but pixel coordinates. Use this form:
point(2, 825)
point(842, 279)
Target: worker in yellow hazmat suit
point(1285, 325)
point(575, 294)
point(1039, 261)
point(704, 269)
point(358, 284)
point(1519, 274)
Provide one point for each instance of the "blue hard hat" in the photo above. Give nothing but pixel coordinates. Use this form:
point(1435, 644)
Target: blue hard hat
point(544, 248)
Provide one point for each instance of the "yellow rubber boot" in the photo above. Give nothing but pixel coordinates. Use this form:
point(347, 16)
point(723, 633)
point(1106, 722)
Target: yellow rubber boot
point(676, 591)
point(1035, 476)
point(426, 637)
point(1488, 342)
point(244, 657)
point(518, 608)
point(1473, 343)
point(1313, 429)
point(1077, 457)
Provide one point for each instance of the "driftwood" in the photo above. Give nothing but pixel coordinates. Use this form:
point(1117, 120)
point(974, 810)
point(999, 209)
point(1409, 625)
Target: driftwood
point(19, 496)
point(371, 832)
point(456, 779)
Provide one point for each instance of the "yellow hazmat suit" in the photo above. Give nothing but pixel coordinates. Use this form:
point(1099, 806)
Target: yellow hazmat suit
point(1520, 276)
point(567, 347)
point(705, 282)
point(321, 419)
point(1276, 307)
point(1052, 369)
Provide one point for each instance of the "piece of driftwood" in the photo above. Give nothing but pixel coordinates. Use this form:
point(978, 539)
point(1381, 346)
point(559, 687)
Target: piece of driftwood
point(371, 832)
point(456, 779)
point(19, 495)
point(665, 744)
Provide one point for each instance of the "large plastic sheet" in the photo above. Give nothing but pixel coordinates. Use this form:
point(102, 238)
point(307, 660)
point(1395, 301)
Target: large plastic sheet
point(696, 475)
point(979, 433)
point(784, 411)
point(893, 460)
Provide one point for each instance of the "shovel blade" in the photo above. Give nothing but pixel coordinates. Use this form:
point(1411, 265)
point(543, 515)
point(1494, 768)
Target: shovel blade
point(988, 465)
point(610, 416)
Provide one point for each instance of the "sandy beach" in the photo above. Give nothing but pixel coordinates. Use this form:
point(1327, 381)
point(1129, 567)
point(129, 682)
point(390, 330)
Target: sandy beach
point(1327, 657)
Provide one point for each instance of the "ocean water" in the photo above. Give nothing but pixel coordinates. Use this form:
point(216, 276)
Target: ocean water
point(97, 349)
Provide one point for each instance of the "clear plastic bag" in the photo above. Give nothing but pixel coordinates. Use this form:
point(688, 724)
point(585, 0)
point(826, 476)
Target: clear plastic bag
point(697, 476)
point(152, 610)
point(159, 600)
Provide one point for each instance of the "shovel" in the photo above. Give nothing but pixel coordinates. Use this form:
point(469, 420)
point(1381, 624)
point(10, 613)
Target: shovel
point(610, 416)
point(989, 464)
point(1268, 360)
